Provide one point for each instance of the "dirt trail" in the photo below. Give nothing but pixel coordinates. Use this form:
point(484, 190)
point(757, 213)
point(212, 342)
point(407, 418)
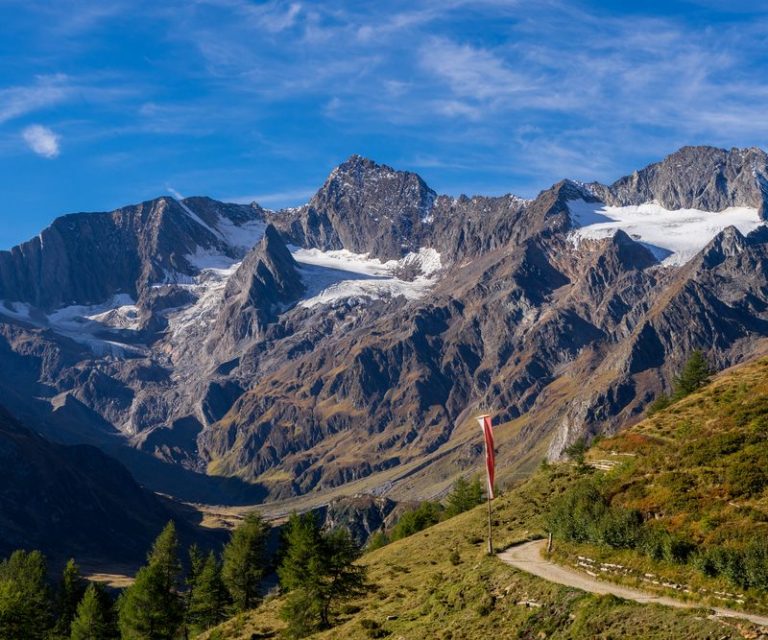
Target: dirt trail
point(527, 557)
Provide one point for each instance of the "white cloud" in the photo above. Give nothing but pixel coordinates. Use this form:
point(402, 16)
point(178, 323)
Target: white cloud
point(41, 140)
point(471, 71)
point(44, 92)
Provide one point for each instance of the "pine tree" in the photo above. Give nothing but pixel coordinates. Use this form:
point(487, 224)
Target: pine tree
point(70, 593)
point(695, 374)
point(24, 597)
point(319, 571)
point(151, 608)
point(208, 597)
point(196, 562)
point(245, 561)
point(93, 619)
point(464, 496)
point(345, 578)
point(425, 515)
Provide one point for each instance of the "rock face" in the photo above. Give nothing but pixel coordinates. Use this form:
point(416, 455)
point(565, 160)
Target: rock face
point(697, 178)
point(270, 354)
point(265, 283)
point(88, 258)
point(73, 496)
point(361, 515)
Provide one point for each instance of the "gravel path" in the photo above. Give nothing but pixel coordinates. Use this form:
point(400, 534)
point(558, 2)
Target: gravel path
point(527, 557)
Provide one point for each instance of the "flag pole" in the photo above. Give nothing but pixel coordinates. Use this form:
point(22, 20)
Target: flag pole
point(484, 420)
point(490, 527)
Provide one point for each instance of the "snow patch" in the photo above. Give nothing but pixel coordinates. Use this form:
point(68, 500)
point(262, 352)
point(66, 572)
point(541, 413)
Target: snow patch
point(197, 218)
point(674, 236)
point(207, 260)
point(86, 324)
point(336, 275)
point(17, 310)
point(238, 236)
point(120, 312)
point(244, 236)
point(188, 326)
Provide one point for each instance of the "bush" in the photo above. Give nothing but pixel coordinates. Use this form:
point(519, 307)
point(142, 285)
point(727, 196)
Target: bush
point(377, 541)
point(659, 404)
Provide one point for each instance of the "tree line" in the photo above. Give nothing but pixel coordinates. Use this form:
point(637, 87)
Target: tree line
point(695, 374)
point(465, 495)
point(316, 568)
point(173, 599)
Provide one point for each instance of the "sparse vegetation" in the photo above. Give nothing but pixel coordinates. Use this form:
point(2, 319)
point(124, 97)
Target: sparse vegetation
point(695, 374)
point(692, 488)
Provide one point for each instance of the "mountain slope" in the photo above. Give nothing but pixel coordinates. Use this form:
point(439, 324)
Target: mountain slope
point(419, 592)
point(350, 340)
point(71, 501)
point(698, 468)
point(696, 472)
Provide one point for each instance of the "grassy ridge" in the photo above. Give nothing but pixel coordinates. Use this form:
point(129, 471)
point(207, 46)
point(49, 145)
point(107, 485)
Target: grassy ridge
point(696, 472)
point(421, 592)
point(684, 496)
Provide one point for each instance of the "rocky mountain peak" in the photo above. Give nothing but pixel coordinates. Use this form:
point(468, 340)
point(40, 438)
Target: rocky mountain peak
point(544, 307)
point(86, 258)
point(267, 280)
point(729, 243)
point(629, 253)
point(700, 177)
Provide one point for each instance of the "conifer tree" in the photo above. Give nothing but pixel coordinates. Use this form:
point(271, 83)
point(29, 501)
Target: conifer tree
point(94, 619)
point(196, 562)
point(245, 561)
point(24, 597)
point(319, 571)
point(378, 540)
point(208, 597)
point(464, 496)
point(70, 593)
point(695, 374)
point(151, 608)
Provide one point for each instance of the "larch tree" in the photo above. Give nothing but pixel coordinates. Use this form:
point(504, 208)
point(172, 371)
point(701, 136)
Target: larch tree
point(245, 561)
point(151, 608)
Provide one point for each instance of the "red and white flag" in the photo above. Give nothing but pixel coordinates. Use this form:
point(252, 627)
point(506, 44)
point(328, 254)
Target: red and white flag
point(490, 460)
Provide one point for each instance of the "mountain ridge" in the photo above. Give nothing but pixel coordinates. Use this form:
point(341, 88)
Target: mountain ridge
point(227, 362)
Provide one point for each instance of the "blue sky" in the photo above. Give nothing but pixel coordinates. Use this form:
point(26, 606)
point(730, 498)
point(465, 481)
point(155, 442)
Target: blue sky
point(108, 103)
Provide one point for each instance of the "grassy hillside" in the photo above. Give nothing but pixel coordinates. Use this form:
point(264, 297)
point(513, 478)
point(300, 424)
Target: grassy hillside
point(684, 495)
point(700, 467)
point(673, 501)
point(419, 592)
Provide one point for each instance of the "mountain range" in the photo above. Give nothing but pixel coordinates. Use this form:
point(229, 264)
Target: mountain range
point(233, 354)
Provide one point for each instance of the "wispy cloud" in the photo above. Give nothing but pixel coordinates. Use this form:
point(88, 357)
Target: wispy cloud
point(41, 140)
point(471, 71)
point(524, 92)
point(174, 193)
point(44, 92)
